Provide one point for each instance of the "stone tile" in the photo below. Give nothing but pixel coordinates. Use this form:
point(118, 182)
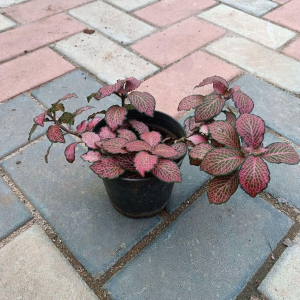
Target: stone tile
point(177, 41)
point(33, 268)
point(102, 16)
point(5, 23)
point(281, 1)
point(107, 60)
point(255, 29)
point(5, 3)
point(254, 7)
point(293, 49)
point(37, 9)
point(29, 71)
point(209, 252)
point(282, 283)
point(130, 5)
point(13, 213)
point(286, 15)
point(13, 133)
point(168, 12)
point(38, 34)
point(259, 60)
point(185, 75)
point(74, 201)
point(279, 109)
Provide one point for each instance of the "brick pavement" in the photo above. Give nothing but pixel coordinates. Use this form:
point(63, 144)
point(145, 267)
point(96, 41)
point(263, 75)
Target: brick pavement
point(56, 221)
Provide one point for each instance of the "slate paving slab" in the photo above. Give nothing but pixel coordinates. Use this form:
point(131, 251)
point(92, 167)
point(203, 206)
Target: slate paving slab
point(209, 252)
point(6, 23)
point(33, 268)
point(129, 5)
point(16, 120)
point(13, 213)
point(74, 201)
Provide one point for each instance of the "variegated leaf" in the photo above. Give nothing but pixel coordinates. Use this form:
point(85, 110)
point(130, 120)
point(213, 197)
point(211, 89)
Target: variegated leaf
point(129, 85)
point(127, 134)
point(93, 123)
point(187, 129)
point(193, 124)
point(219, 87)
point(167, 171)
point(107, 168)
point(243, 102)
point(82, 126)
point(140, 127)
point(55, 134)
point(92, 156)
point(145, 162)
point(152, 138)
point(211, 79)
point(181, 148)
point(137, 146)
point(164, 151)
point(190, 102)
point(89, 138)
point(143, 102)
point(230, 117)
point(115, 116)
point(110, 89)
point(40, 118)
point(115, 146)
point(197, 139)
point(199, 151)
point(68, 96)
point(106, 133)
point(70, 152)
point(81, 110)
point(126, 161)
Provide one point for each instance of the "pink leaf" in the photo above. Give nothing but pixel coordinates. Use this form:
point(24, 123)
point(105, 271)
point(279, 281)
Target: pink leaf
point(197, 139)
point(222, 161)
point(115, 146)
point(164, 151)
point(225, 134)
point(204, 129)
point(187, 129)
point(140, 127)
point(209, 107)
point(251, 128)
point(82, 126)
point(210, 80)
point(89, 138)
point(93, 123)
point(152, 138)
point(130, 85)
point(190, 102)
point(55, 134)
point(92, 156)
point(281, 153)
point(193, 124)
point(228, 94)
point(254, 175)
point(230, 117)
point(167, 171)
point(106, 133)
point(126, 161)
point(107, 168)
point(242, 102)
point(110, 89)
point(181, 148)
point(219, 87)
point(81, 110)
point(40, 119)
point(68, 96)
point(199, 151)
point(143, 102)
point(221, 188)
point(137, 146)
point(145, 162)
point(127, 134)
point(115, 116)
point(70, 152)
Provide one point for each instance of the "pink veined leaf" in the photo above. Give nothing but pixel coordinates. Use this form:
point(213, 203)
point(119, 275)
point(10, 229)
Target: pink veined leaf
point(225, 134)
point(197, 139)
point(126, 161)
point(107, 168)
point(164, 151)
point(222, 161)
point(115, 116)
point(127, 134)
point(70, 152)
point(167, 171)
point(130, 85)
point(228, 94)
point(106, 133)
point(190, 102)
point(55, 134)
point(152, 138)
point(199, 151)
point(110, 89)
point(137, 146)
point(145, 162)
point(251, 128)
point(211, 79)
point(219, 87)
point(193, 124)
point(187, 129)
point(125, 125)
point(254, 175)
point(236, 88)
point(143, 102)
point(82, 126)
point(68, 96)
point(140, 127)
point(92, 156)
point(230, 117)
point(89, 138)
point(181, 148)
point(209, 107)
point(216, 144)
point(281, 153)
point(221, 188)
point(115, 146)
point(194, 161)
point(243, 102)
point(98, 146)
point(81, 110)
point(93, 123)
point(204, 129)
point(40, 119)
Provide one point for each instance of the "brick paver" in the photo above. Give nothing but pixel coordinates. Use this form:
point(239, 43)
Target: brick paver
point(103, 17)
point(259, 60)
point(258, 30)
point(37, 9)
point(29, 37)
point(292, 50)
point(5, 23)
point(177, 41)
point(129, 5)
point(167, 12)
point(33, 268)
point(29, 71)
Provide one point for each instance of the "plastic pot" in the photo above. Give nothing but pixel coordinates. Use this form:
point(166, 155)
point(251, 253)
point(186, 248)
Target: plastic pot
point(144, 197)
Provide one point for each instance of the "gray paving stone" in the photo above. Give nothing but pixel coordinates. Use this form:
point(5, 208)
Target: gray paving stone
point(16, 120)
point(254, 7)
point(116, 24)
point(129, 5)
point(104, 58)
point(209, 252)
point(279, 109)
point(33, 268)
point(5, 3)
point(74, 201)
point(75, 82)
point(13, 213)
point(282, 283)
point(5, 23)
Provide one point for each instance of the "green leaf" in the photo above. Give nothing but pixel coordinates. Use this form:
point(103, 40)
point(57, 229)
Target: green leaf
point(67, 118)
point(33, 128)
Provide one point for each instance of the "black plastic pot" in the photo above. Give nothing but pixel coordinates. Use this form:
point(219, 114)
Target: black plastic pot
point(145, 197)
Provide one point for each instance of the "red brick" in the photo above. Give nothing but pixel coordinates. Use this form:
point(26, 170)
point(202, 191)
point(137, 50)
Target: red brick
point(293, 50)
